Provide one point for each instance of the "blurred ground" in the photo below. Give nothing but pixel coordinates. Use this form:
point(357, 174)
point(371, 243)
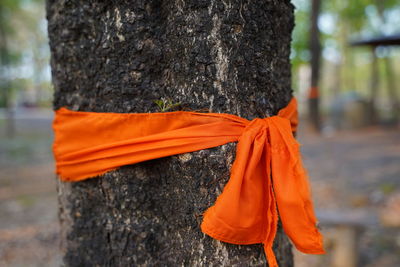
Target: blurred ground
point(355, 180)
point(28, 201)
point(354, 174)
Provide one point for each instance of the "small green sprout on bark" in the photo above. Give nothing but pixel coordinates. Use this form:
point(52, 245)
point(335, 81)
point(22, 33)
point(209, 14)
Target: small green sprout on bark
point(165, 104)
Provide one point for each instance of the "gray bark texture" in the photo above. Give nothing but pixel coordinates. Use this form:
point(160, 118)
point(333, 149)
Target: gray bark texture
point(119, 56)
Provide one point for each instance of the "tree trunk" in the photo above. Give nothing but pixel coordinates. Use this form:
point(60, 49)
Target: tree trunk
point(119, 56)
point(315, 48)
point(392, 90)
point(5, 82)
point(374, 87)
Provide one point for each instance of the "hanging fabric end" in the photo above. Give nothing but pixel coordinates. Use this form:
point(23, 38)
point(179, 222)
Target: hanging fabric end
point(269, 253)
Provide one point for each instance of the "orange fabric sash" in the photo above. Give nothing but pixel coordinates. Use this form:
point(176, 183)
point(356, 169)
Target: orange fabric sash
point(267, 176)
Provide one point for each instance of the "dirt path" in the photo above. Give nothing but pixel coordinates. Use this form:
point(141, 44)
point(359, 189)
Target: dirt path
point(28, 200)
point(353, 176)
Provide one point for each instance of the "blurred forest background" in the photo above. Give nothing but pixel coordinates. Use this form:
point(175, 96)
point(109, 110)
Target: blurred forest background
point(354, 161)
point(25, 70)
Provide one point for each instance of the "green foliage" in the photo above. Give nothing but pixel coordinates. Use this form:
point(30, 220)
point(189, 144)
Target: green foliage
point(351, 20)
point(165, 104)
point(23, 44)
point(300, 44)
point(387, 188)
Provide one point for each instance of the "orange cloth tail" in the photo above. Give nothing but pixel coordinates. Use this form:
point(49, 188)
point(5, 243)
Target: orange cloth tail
point(270, 255)
point(292, 189)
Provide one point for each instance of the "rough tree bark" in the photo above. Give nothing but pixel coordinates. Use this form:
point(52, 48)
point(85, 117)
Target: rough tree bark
point(119, 56)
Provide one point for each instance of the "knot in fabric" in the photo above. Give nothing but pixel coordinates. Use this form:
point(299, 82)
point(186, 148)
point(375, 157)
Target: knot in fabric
point(266, 176)
point(256, 125)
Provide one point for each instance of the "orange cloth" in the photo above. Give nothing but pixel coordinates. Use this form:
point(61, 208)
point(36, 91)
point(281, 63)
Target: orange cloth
point(267, 176)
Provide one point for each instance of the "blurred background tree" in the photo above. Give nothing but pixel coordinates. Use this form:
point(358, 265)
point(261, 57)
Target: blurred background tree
point(345, 69)
point(24, 57)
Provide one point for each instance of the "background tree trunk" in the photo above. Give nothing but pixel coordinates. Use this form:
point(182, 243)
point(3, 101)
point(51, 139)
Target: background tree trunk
point(119, 56)
point(5, 83)
point(374, 87)
point(315, 49)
